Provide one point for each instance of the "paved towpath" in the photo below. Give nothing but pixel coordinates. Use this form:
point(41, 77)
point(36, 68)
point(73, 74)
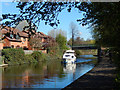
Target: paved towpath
point(102, 76)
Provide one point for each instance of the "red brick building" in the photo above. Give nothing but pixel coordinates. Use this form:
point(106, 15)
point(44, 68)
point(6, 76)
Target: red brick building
point(14, 38)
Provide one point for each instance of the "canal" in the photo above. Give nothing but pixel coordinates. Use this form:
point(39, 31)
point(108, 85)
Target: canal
point(51, 74)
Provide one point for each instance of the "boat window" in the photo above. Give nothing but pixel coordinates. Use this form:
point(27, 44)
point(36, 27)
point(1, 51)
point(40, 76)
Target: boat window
point(67, 55)
point(70, 52)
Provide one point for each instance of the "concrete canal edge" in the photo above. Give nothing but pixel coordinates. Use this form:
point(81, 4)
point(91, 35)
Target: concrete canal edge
point(2, 65)
point(102, 76)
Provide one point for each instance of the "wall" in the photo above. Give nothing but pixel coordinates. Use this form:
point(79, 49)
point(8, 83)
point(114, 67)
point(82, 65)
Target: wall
point(24, 43)
point(6, 42)
point(1, 45)
point(15, 44)
point(31, 51)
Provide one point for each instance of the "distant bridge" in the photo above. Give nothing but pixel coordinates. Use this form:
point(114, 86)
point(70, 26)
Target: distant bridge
point(85, 47)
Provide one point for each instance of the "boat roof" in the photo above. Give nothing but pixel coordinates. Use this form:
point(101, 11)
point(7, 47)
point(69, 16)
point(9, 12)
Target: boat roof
point(70, 51)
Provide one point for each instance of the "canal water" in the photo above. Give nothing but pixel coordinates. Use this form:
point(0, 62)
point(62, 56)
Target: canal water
point(45, 74)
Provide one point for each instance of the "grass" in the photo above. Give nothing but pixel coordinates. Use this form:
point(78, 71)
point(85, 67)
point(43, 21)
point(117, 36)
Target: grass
point(88, 57)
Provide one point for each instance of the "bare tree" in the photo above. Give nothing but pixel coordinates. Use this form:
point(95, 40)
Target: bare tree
point(74, 31)
point(53, 33)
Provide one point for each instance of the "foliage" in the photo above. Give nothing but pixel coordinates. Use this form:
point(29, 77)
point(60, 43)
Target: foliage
point(78, 53)
point(98, 15)
point(29, 58)
point(39, 56)
point(53, 33)
point(13, 56)
point(34, 12)
point(70, 42)
point(79, 41)
point(61, 40)
point(35, 43)
point(16, 56)
point(52, 47)
point(1, 60)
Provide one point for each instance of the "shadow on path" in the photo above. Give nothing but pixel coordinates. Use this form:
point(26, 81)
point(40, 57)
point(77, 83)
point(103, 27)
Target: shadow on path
point(100, 77)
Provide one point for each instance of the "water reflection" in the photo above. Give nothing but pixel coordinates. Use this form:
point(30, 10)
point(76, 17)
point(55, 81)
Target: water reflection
point(43, 75)
point(69, 68)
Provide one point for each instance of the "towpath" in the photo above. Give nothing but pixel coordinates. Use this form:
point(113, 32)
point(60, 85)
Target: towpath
point(102, 76)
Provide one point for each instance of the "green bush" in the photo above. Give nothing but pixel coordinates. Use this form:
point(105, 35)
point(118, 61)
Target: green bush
point(16, 56)
point(29, 59)
point(13, 56)
point(78, 53)
point(39, 56)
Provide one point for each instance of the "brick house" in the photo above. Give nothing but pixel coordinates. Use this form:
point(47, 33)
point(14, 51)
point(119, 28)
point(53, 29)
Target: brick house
point(44, 39)
point(12, 37)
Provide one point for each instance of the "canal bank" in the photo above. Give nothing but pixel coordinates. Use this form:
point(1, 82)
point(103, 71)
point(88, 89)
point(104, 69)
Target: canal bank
point(102, 76)
point(40, 75)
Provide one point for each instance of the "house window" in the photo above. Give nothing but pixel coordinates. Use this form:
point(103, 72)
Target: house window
point(24, 39)
point(12, 46)
point(3, 35)
point(17, 37)
point(17, 46)
point(11, 35)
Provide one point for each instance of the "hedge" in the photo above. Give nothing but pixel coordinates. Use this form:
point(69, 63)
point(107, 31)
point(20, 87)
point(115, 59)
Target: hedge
point(16, 56)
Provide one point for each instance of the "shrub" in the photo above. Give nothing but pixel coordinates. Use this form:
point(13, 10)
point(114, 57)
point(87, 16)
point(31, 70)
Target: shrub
point(29, 59)
point(16, 56)
point(78, 53)
point(13, 56)
point(36, 55)
point(39, 56)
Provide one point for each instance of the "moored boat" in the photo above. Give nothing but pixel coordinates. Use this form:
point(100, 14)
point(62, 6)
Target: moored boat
point(69, 56)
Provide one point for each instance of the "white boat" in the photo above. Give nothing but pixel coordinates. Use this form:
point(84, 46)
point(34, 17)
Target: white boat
point(69, 56)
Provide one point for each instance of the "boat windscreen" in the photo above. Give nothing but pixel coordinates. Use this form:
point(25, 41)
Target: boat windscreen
point(67, 55)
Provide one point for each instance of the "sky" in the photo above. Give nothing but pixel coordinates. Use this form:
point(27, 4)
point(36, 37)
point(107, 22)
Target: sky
point(64, 17)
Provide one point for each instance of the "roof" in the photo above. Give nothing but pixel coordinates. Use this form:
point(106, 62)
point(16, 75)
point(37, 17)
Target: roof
point(39, 35)
point(22, 34)
point(15, 40)
point(70, 51)
point(6, 29)
point(43, 34)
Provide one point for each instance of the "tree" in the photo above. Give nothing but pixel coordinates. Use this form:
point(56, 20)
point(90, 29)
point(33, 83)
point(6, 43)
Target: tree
point(98, 15)
point(53, 33)
point(61, 40)
point(74, 31)
point(35, 43)
point(70, 42)
point(34, 12)
point(100, 18)
point(78, 41)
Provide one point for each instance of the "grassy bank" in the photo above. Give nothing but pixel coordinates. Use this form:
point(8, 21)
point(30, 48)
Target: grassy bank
point(86, 52)
point(17, 56)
